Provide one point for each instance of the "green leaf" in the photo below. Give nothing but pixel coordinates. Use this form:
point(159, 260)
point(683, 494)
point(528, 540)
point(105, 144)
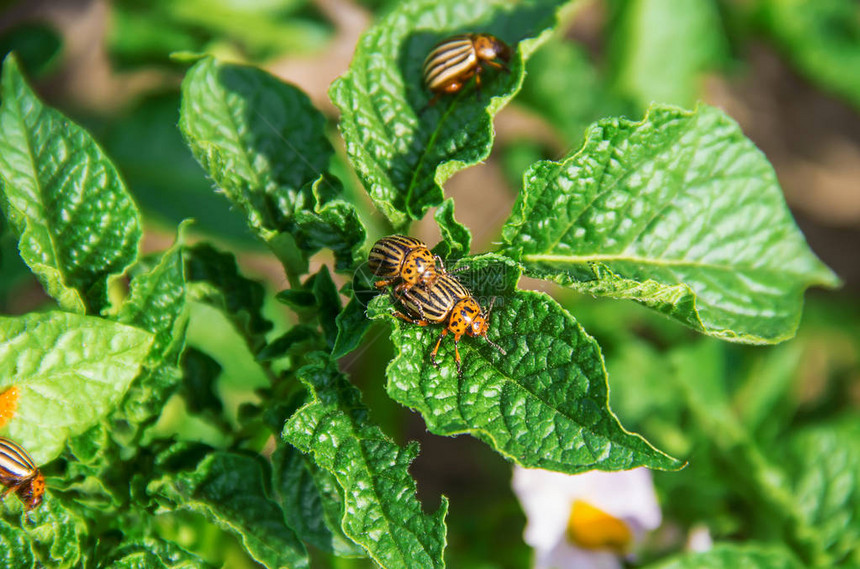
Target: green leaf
point(661, 49)
point(65, 200)
point(762, 401)
point(381, 510)
point(52, 534)
point(199, 374)
point(259, 139)
point(166, 180)
point(264, 144)
point(730, 556)
point(157, 303)
point(702, 375)
point(456, 237)
point(317, 296)
point(217, 282)
point(312, 502)
point(149, 33)
point(679, 212)
point(15, 548)
point(300, 334)
point(328, 301)
point(821, 39)
point(542, 405)
point(229, 490)
point(332, 223)
point(824, 460)
point(71, 371)
point(402, 150)
point(152, 554)
point(352, 324)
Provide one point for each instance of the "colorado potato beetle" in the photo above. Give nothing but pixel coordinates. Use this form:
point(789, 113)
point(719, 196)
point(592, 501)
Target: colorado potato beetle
point(19, 474)
point(455, 60)
point(405, 259)
point(449, 303)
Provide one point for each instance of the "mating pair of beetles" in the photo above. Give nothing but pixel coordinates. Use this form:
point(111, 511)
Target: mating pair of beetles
point(428, 293)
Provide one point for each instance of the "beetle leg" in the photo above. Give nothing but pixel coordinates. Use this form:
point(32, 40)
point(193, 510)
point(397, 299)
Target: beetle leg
point(478, 82)
point(457, 355)
point(382, 283)
point(401, 290)
point(406, 294)
point(436, 347)
point(498, 65)
point(452, 87)
point(415, 321)
point(11, 489)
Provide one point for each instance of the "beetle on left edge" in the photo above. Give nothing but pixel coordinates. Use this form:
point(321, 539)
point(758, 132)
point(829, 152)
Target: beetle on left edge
point(19, 474)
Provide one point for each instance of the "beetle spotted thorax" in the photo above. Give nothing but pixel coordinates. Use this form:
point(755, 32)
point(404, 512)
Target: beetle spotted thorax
point(19, 474)
point(455, 60)
point(403, 260)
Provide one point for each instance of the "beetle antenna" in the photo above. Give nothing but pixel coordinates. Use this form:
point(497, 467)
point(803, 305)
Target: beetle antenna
point(490, 309)
point(495, 345)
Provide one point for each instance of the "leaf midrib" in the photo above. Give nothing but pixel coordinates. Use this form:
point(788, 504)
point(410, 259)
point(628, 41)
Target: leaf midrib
point(423, 155)
point(34, 174)
point(220, 97)
point(536, 397)
point(356, 431)
point(608, 257)
point(632, 168)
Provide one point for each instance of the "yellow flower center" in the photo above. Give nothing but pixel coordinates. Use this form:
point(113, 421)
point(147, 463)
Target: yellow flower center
point(592, 528)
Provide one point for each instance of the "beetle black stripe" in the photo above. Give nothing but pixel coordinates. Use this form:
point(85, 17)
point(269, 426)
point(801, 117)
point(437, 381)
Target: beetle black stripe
point(453, 287)
point(456, 43)
point(450, 68)
point(449, 57)
point(460, 72)
point(14, 460)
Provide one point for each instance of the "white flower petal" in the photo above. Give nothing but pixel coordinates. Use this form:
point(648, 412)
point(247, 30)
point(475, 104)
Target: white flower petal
point(546, 512)
point(566, 556)
point(700, 539)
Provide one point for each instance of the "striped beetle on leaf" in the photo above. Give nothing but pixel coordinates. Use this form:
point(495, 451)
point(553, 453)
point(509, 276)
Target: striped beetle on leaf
point(455, 60)
point(449, 303)
point(19, 474)
point(405, 259)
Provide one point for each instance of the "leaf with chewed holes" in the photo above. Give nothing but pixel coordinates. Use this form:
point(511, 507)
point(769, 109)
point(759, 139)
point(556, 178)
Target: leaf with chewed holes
point(381, 510)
